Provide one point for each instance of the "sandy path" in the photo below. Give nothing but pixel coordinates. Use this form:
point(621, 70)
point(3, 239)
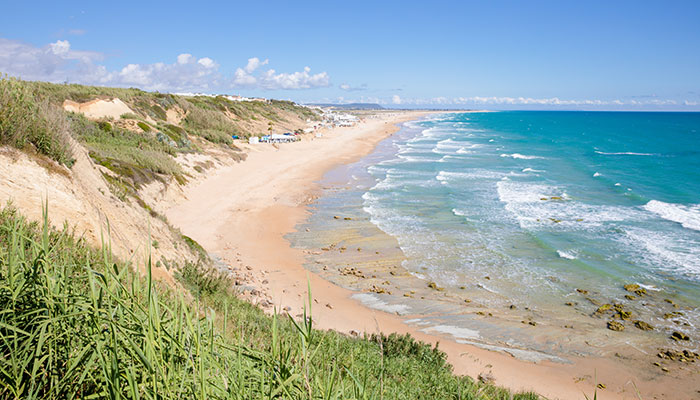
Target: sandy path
point(242, 212)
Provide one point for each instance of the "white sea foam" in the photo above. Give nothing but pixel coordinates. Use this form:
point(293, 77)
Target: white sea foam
point(454, 331)
point(519, 156)
point(412, 159)
point(567, 255)
point(687, 216)
point(464, 151)
point(476, 173)
point(373, 301)
point(532, 170)
point(597, 174)
point(525, 202)
point(669, 252)
point(416, 321)
point(459, 213)
point(625, 153)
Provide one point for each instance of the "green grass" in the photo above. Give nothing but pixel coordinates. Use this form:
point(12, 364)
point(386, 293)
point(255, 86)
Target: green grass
point(27, 121)
point(76, 323)
point(133, 150)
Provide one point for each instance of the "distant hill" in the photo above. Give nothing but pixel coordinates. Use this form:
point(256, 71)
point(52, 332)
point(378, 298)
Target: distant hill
point(351, 106)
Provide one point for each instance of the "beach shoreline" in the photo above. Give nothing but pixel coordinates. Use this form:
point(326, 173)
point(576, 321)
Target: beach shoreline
point(243, 212)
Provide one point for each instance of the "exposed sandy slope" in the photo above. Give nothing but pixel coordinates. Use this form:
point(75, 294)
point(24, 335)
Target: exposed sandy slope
point(242, 212)
point(81, 197)
point(98, 108)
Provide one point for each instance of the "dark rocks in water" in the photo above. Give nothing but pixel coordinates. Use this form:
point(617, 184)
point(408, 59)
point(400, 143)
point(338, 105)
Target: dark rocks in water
point(630, 297)
point(434, 286)
point(582, 291)
point(347, 218)
point(568, 303)
point(682, 356)
point(378, 290)
point(673, 314)
point(643, 325)
point(624, 315)
point(636, 289)
point(512, 307)
point(679, 336)
point(556, 221)
point(604, 308)
point(336, 217)
point(462, 287)
point(615, 326)
point(669, 301)
point(533, 323)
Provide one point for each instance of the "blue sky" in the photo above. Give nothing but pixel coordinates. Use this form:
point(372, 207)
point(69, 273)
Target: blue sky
point(485, 54)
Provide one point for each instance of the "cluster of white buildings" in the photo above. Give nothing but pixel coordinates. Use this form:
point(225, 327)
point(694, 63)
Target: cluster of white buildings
point(336, 119)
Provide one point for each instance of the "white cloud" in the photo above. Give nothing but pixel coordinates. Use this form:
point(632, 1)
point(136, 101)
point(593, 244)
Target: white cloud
point(184, 58)
point(207, 63)
point(59, 62)
point(349, 88)
point(396, 99)
point(55, 62)
point(296, 80)
point(241, 78)
point(60, 48)
point(253, 64)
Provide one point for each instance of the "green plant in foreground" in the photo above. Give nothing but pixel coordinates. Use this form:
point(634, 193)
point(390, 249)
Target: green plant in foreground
point(75, 323)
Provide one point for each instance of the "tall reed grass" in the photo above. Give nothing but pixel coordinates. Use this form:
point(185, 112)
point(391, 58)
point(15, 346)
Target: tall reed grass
point(77, 324)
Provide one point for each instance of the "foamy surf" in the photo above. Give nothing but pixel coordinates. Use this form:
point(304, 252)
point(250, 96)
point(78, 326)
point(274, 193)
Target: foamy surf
point(624, 153)
point(687, 216)
point(566, 254)
point(519, 156)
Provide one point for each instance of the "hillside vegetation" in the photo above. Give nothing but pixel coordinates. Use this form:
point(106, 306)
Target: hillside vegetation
point(31, 116)
point(138, 147)
point(76, 323)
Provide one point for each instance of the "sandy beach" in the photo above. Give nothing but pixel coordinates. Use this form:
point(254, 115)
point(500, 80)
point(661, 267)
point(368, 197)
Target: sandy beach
point(242, 212)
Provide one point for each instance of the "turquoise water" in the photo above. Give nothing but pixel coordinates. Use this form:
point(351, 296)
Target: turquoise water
point(601, 198)
point(516, 210)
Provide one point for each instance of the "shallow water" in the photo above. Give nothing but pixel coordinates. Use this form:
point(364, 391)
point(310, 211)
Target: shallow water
point(515, 211)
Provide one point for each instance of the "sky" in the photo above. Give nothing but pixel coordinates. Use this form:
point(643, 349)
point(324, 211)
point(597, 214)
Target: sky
point(595, 55)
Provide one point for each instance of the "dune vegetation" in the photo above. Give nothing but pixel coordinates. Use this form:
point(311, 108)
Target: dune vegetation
point(32, 118)
point(77, 323)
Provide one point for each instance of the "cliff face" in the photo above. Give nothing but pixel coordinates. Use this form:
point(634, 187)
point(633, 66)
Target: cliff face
point(124, 156)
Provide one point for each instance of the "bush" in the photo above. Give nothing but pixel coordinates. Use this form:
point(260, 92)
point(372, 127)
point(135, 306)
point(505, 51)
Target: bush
point(105, 126)
point(25, 120)
point(144, 126)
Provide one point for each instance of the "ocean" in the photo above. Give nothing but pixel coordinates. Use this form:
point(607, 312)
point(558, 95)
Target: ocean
point(530, 218)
